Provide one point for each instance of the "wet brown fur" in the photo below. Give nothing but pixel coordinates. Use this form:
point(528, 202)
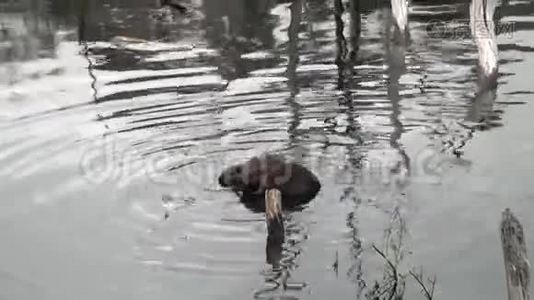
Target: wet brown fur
point(250, 179)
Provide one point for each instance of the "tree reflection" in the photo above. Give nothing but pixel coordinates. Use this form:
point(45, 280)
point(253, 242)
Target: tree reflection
point(325, 35)
point(481, 110)
point(27, 31)
point(396, 42)
point(345, 61)
point(237, 27)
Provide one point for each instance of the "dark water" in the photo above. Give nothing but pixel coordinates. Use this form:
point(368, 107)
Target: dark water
point(116, 118)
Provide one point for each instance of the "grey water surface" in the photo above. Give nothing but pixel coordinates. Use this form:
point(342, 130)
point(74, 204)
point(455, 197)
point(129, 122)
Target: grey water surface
point(116, 117)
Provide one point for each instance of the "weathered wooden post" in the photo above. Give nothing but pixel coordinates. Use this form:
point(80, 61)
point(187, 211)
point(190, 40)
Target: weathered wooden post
point(515, 257)
point(275, 226)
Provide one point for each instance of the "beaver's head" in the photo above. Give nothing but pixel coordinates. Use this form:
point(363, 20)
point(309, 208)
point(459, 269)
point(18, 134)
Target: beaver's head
point(256, 175)
point(237, 177)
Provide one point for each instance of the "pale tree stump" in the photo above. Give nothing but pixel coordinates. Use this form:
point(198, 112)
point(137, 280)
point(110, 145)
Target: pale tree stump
point(515, 257)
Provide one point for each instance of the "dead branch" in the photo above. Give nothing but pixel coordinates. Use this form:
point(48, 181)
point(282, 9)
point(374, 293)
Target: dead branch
point(393, 270)
point(429, 293)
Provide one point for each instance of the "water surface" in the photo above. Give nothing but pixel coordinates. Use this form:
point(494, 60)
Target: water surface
point(116, 118)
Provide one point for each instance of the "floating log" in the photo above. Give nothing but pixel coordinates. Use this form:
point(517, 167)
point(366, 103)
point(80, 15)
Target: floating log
point(515, 257)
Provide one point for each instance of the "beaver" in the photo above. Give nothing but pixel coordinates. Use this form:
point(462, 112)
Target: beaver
point(250, 179)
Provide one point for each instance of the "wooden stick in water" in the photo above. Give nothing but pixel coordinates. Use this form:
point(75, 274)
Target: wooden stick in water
point(515, 257)
point(273, 212)
point(275, 226)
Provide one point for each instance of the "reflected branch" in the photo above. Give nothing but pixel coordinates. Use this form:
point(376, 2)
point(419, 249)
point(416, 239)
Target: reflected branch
point(291, 71)
point(355, 270)
point(341, 43)
point(292, 49)
point(82, 40)
point(356, 27)
point(395, 56)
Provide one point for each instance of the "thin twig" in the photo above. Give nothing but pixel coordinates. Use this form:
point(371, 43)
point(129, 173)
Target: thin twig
point(428, 294)
point(394, 270)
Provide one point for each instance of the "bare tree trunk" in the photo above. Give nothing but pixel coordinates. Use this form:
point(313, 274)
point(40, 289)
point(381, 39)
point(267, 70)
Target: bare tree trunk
point(515, 257)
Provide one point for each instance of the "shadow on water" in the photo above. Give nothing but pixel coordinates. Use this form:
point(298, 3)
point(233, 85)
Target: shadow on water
point(119, 102)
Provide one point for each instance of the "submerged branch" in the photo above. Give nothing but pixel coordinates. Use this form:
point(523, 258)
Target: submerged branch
point(428, 293)
point(393, 270)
